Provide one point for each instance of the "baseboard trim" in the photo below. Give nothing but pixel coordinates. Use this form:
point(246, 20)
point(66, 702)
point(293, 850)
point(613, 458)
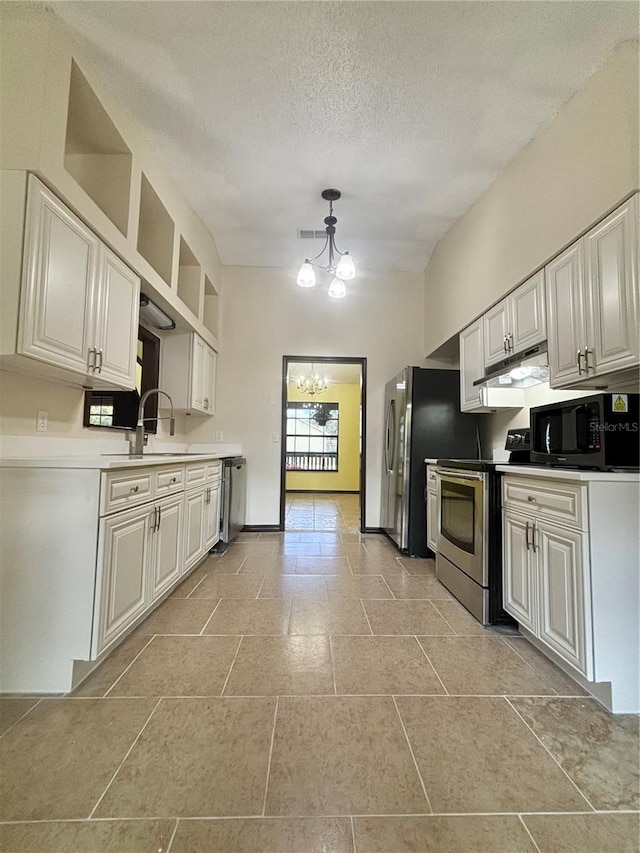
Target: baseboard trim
point(261, 528)
point(373, 530)
point(321, 491)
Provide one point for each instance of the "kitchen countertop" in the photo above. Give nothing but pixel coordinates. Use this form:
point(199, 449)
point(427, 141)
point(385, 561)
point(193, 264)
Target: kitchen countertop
point(108, 461)
point(582, 475)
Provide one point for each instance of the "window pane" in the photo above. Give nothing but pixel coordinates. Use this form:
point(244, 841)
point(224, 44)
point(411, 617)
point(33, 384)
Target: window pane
point(302, 444)
point(316, 445)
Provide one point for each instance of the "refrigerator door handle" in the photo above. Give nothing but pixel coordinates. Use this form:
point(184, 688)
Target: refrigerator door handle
point(391, 437)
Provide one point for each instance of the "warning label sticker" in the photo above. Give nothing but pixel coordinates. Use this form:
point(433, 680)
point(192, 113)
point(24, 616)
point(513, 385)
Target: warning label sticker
point(620, 403)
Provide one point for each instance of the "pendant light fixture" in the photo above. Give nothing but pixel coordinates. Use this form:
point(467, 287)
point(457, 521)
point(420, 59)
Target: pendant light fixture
point(343, 270)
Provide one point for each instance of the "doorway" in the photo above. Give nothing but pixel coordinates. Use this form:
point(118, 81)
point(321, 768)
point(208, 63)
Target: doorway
point(323, 443)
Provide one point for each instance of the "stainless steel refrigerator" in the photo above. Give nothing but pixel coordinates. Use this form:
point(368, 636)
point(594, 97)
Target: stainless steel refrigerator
point(422, 420)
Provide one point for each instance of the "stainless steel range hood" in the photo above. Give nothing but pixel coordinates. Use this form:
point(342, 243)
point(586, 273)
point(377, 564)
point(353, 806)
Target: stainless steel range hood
point(521, 370)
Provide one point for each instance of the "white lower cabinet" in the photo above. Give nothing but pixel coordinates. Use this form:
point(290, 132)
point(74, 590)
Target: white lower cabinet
point(212, 516)
point(544, 585)
point(571, 576)
point(194, 527)
point(168, 555)
point(202, 511)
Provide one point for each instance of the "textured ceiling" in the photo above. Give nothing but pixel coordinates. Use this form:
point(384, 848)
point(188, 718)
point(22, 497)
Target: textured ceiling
point(412, 109)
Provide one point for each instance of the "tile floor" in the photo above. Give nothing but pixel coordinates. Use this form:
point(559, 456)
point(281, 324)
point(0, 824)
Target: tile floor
point(315, 692)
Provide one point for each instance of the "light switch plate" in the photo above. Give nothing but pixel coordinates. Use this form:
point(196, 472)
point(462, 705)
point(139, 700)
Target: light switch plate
point(42, 419)
point(275, 437)
point(219, 435)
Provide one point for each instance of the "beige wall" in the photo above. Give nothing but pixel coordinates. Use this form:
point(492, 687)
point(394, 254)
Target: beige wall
point(266, 316)
point(579, 167)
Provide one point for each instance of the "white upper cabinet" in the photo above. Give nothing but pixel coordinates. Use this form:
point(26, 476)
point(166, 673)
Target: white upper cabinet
point(517, 322)
point(477, 398)
point(79, 303)
point(592, 293)
point(188, 373)
point(611, 255)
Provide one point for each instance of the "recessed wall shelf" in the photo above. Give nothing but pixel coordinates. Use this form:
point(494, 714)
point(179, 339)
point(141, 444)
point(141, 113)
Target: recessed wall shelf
point(155, 231)
point(189, 278)
point(210, 312)
point(95, 153)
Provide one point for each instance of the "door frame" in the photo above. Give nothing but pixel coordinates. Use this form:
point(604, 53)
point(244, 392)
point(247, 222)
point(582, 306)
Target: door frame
point(323, 359)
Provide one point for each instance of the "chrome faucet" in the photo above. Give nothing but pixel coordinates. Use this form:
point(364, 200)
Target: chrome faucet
point(137, 446)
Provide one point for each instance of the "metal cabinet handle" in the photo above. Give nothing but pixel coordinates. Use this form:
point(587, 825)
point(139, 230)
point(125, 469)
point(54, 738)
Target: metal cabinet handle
point(159, 516)
point(587, 366)
point(91, 361)
point(526, 535)
point(531, 499)
point(100, 357)
point(206, 402)
point(510, 341)
point(174, 479)
point(134, 488)
point(578, 362)
point(504, 344)
point(533, 537)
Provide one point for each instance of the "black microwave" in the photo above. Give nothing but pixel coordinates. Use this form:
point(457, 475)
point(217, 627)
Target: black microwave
point(590, 432)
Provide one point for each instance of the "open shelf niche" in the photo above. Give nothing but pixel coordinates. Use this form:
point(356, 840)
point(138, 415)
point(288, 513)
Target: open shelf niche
point(95, 154)
point(155, 231)
point(189, 278)
point(210, 313)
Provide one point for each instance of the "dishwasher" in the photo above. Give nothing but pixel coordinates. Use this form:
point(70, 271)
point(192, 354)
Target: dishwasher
point(233, 499)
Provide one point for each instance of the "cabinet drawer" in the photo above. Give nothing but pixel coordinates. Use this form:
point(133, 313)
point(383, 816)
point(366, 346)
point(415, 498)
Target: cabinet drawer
point(562, 502)
point(122, 490)
point(214, 470)
point(169, 480)
point(196, 475)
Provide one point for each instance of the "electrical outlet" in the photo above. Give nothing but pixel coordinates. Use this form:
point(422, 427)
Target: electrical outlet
point(219, 436)
point(42, 421)
point(275, 437)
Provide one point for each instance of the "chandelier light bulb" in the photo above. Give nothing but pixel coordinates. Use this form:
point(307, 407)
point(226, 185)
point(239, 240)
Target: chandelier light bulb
point(337, 289)
point(307, 275)
point(346, 269)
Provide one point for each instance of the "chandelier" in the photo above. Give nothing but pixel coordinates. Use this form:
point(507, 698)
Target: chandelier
point(312, 384)
point(343, 271)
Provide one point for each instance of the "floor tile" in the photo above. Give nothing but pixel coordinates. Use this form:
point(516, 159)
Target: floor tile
point(227, 586)
point(545, 668)
point(103, 677)
point(460, 619)
point(293, 586)
point(12, 709)
point(270, 666)
point(384, 566)
point(365, 586)
point(254, 549)
point(250, 616)
point(264, 835)
point(472, 834)
point(179, 666)
point(74, 746)
point(196, 758)
point(476, 755)
point(589, 833)
point(342, 549)
point(382, 665)
point(338, 616)
point(405, 617)
point(479, 666)
point(410, 586)
point(266, 565)
point(178, 616)
point(419, 566)
point(597, 749)
point(97, 836)
point(190, 582)
point(299, 549)
point(323, 566)
point(341, 755)
point(227, 563)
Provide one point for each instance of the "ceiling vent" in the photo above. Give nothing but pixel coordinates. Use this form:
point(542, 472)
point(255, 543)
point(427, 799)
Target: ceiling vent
point(310, 234)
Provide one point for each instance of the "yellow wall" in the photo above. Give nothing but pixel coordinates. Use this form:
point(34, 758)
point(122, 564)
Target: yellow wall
point(347, 477)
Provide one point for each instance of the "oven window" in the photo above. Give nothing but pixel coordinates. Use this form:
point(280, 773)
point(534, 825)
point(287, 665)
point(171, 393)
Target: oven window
point(457, 512)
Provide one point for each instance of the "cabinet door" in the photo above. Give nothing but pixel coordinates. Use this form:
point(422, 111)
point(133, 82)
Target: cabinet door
point(122, 587)
point(565, 606)
point(471, 365)
point(194, 522)
point(167, 540)
point(612, 286)
point(528, 314)
point(209, 380)
point(518, 571)
point(116, 322)
point(198, 355)
point(60, 261)
point(496, 327)
point(567, 331)
point(212, 516)
point(432, 520)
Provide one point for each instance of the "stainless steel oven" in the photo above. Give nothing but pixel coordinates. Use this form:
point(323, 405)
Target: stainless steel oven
point(461, 503)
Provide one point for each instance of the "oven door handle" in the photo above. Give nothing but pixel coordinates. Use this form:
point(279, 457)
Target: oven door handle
point(454, 478)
